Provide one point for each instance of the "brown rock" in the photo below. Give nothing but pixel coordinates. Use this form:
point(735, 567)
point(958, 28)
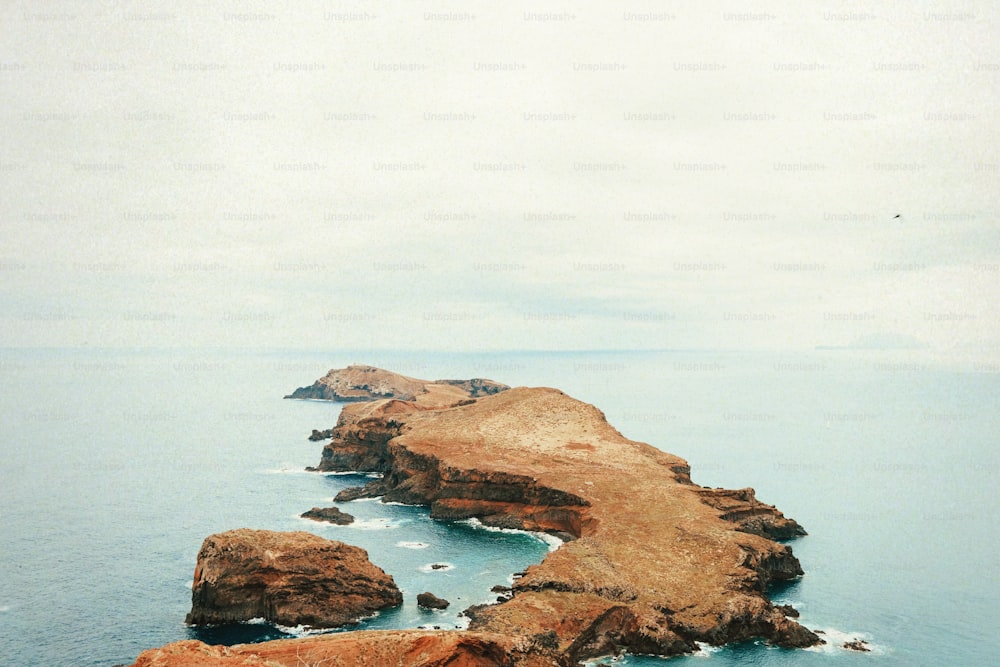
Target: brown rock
point(788, 610)
point(857, 645)
point(751, 516)
point(330, 515)
point(412, 648)
point(431, 601)
point(367, 383)
point(287, 578)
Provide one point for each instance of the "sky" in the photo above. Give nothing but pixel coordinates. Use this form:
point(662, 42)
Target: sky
point(489, 176)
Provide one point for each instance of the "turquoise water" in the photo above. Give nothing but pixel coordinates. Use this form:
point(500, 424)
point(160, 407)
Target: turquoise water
point(117, 464)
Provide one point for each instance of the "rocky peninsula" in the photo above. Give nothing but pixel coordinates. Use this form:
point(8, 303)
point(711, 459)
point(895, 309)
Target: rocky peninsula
point(651, 562)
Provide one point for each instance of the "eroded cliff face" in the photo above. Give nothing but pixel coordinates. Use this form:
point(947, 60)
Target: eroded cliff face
point(291, 579)
point(653, 563)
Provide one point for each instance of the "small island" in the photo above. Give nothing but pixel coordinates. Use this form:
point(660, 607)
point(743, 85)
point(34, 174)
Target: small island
point(651, 562)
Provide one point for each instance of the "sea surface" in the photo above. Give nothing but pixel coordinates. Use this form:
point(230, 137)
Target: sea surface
point(116, 464)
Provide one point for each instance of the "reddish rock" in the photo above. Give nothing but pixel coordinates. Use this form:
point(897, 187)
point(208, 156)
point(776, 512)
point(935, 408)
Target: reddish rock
point(286, 578)
point(409, 648)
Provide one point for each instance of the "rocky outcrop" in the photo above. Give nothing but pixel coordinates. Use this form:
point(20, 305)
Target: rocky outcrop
point(752, 516)
point(412, 648)
point(368, 383)
point(316, 435)
point(329, 515)
point(431, 601)
point(286, 578)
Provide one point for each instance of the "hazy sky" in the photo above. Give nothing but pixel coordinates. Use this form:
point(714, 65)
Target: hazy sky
point(477, 175)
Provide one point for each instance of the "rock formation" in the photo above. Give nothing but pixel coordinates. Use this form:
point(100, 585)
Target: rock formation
point(287, 578)
point(316, 435)
point(367, 383)
point(329, 515)
point(431, 601)
point(651, 563)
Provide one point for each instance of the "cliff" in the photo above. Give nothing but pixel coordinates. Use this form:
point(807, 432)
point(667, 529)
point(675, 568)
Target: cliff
point(367, 383)
point(287, 578)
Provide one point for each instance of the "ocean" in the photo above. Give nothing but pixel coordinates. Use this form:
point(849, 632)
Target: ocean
point(118, 463)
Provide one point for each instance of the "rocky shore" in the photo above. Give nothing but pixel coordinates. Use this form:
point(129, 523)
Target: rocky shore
point(651, 563)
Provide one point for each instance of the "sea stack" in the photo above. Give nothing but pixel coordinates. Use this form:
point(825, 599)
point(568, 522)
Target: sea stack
point(293, 578)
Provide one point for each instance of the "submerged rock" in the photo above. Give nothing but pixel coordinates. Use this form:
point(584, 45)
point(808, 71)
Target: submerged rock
point(294, 578)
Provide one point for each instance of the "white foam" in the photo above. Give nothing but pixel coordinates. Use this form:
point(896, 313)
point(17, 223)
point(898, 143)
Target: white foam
point(835, 640)
point(606, 660)
point(289, 470)
point(705, 650)
point(429, 567)
point(412, 545)
point(552, 541)
point(345, 473)
point(372, 524)
point(4, 608)
point(189, 585)
point(308, 630)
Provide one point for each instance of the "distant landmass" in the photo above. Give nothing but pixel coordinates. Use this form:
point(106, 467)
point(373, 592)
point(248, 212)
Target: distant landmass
point(366, 383)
